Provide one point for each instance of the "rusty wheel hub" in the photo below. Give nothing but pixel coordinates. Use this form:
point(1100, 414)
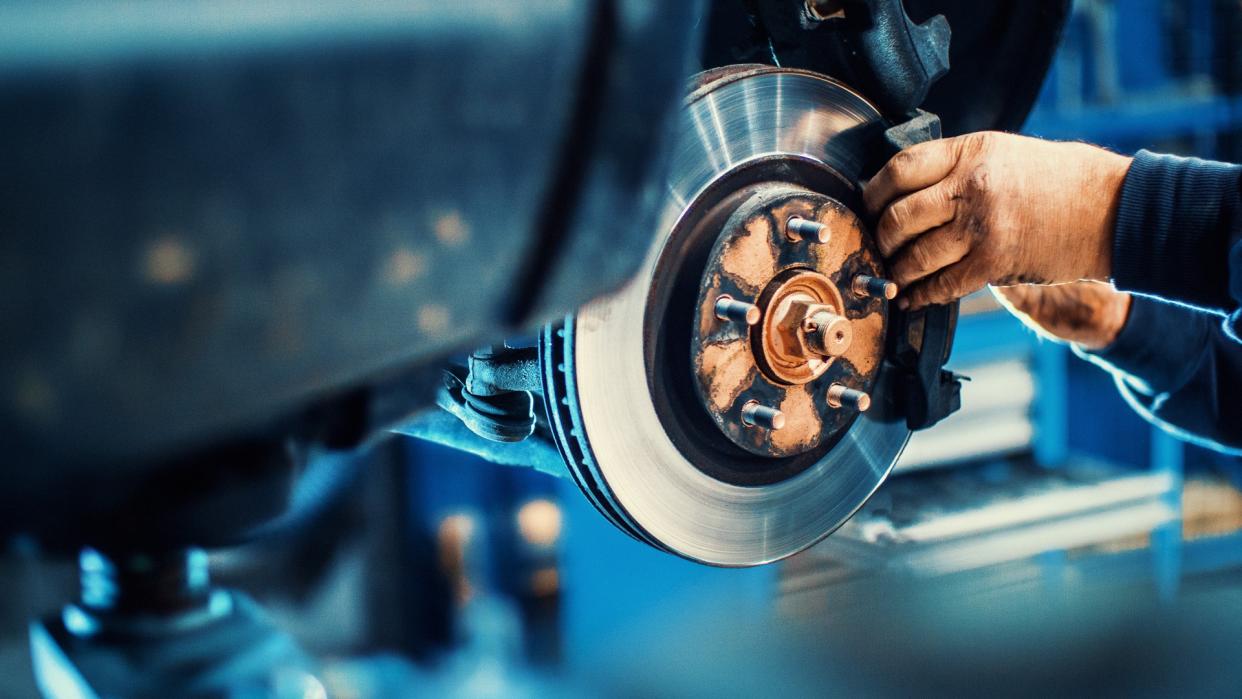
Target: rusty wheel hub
point(789, 330)
point(802, 330)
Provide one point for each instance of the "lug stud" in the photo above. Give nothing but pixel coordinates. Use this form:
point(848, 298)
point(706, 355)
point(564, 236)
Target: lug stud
point(874, 287)
point(843, 396)
point(756, 415)
point(798, 228)
point(729, 308)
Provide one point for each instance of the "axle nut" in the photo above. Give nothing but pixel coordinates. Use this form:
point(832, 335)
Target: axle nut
point(828, 334)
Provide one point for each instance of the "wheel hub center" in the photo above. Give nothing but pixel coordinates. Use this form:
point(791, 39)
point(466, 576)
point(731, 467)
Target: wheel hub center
point(789, 331)
point(801, 328)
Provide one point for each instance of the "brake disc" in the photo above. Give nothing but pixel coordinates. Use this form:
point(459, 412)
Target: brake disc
point(730, 404)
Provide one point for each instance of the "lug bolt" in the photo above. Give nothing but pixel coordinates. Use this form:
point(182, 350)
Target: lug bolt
point(843, 396)
point(728, 308)
point(798, 228)
point(756, 415)
point(874, 287)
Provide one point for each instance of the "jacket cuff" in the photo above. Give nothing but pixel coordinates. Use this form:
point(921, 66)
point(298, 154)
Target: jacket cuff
point(1167, 240)
point(1159, 346)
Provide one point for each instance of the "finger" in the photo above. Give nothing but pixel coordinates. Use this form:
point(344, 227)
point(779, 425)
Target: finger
point(928, 254)
point(950, 284)
point(914, 168)
point(915, 213)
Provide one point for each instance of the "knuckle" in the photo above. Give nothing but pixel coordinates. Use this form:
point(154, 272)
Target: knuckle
point(896, 217)
point(972, 144)
point(951, 188)
point(903, 162)
point(939, 196)
point(979, 181)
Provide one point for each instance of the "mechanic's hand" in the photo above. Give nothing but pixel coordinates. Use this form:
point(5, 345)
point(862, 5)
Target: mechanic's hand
point(958, 213)
point(1090, 314)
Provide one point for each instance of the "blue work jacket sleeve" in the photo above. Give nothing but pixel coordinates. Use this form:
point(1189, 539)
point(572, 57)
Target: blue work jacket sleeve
point(1178, 234)
point(1179, 369)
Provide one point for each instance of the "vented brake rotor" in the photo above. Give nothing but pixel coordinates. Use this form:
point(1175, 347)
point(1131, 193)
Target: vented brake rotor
point(730, 405)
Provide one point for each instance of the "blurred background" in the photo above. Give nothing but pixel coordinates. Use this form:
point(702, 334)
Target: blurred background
point(1044, 533)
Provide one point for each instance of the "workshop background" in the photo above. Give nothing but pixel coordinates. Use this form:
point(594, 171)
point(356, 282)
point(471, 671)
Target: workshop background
point(1045, 484)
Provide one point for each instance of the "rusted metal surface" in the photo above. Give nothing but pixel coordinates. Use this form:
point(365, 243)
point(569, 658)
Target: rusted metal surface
point(827, 333)
point(783, 351)
point(864, 285)
point(814, 331)
point(756, 415)
point(840, 396)
point(728, 308)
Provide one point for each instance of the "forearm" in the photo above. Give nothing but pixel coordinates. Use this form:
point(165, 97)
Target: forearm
point(1178, 369)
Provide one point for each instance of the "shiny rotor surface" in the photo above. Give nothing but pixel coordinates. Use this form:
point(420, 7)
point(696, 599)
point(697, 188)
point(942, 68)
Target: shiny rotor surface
point(771, 113)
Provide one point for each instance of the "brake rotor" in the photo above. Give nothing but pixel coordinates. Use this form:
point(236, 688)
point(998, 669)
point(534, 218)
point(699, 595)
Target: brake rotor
point(730, 404)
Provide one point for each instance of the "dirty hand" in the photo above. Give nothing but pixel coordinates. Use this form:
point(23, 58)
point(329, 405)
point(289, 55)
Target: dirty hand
point(958, 213)
point(1090, 314)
